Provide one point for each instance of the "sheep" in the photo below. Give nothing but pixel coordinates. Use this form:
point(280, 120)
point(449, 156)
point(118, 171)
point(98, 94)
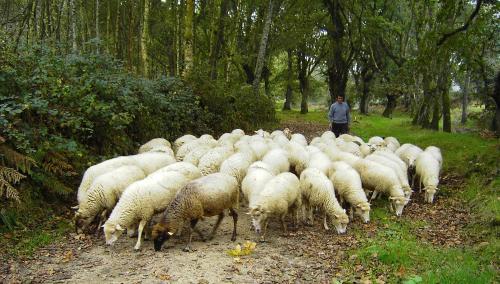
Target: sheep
point(105, 192)
point(316, 140)
point(395, 158)
point(391, 143)
point(238, 132)
point(401, 173)
point(436, 153)
point(280, 195)
point(277, 158)
point(262, 133)
point(318, 191)
point(211, 161)
point(236, 165)
point(350, 147)
point(183, 140)
point(366, 149)
point(282, 141)
point(140, 201)
point(149, 162)
point(259, 147)
point(155, 145)
point(298, 157)
point(328, 136)
point(194, 155)
point(276, 133)
point(337, 155)
point(350, 138)
point(191, 145)
point(258, 174)
point(376, 140)
point(347, 184)
point(227, 139)
point(427, 170)
point(299, 138)
point(408, 153)
point(381, 179)
point(189, 170)
point(204, 197)
point(320, 161)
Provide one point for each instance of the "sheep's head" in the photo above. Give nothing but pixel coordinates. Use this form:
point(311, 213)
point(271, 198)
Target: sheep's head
point(259, 216)
point(340, 221)
point(112, 232)
point(82, 220)
point(430, 191)
point(287, 132)
point(398, 203)
point(362, 209)
point(407, 191)
point(161, 233)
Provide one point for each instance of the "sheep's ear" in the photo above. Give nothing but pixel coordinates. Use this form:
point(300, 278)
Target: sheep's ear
point(119, 228)
point(359, 205)
point(357, 142)
point(102, 226)
point(76, 207)
point(170, 233)
point(392, 198)
point(336, 215)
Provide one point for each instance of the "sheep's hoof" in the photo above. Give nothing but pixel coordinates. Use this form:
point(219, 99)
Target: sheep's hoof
point(233, 238)
point(137, 248)
point(186, 249)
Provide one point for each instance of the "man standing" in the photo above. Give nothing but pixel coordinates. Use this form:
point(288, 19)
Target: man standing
point(339, 117)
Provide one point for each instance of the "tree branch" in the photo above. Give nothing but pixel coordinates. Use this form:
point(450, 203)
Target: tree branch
point(464, 27)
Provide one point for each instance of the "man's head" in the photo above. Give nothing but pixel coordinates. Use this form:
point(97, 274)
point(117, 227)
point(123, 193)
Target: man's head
point(340, 99)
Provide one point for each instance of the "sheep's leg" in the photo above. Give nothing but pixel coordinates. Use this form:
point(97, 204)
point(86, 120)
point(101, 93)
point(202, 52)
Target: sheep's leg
point(264, 230)
point(190, 237)
point(235, 221)
point(139, 234)
point(374, 195)
point(325, 223)
point(102, 218)
point(283, 224)
point(219, 219)
point(351, 213)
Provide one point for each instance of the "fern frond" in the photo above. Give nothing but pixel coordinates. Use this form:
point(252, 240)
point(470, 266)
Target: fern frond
point(52, 184)
point(56, 163)
point(7, 190)
point(16, 159)
point(10, 175)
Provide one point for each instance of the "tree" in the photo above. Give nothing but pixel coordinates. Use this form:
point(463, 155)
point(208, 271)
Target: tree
point(262, 48)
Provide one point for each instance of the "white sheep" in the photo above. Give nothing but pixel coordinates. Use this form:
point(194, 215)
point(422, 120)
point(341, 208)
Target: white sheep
point(427, 171)
point(380, 178)
point(298, 157)
point(328, 136)
point(207, 196)
point(140, 201)
point(149, 162)
point(262, 133)
point(187, 147)
point(336, 155)
point(350, 138)
point(366, 149)
point(401, 173)
point(183, 140)
point(350, 147)
point(258, 174)
point(281, 140)
point(436, 153)
point(395, 158)
point(195, 154)
point(105, 192)
point(318, 191)
point(320, 161)
point(408, 153)
point(259, 147)
point(299, 138)
point(155, 144)
point(238, 132)
point(237, 165)
point(277, 133)
point(347, 184)
point(376, 140)
point(277, 158)
point(280, 196)
point(392, 140)
point(189, 170)
point(211, 161)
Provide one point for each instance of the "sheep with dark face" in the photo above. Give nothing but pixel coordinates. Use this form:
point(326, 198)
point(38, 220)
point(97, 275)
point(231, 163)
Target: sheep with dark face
point(207, 196)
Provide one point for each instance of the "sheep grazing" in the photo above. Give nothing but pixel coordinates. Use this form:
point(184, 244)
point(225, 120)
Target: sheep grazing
point(347, 184)
point(259, 146)
point(350, 147)
point(377, 140)
point(436, 153)
point(105, 192)
point(211, 161)
point(156, 145)
point(141, 200)
point(183, 140)
point(189, 170)
point(299, 138)
point(317, 191)
point(277, 158)
point(280, 196)
point(383, 179)
point(195, 155)
point(408, 153)
point(320, 161)
point(236, 165)
point(262, 133)
point(392, 143)
point(183, 150)
point(400, 172)
point(427, 170)
point(204, 197)
point(258, 174)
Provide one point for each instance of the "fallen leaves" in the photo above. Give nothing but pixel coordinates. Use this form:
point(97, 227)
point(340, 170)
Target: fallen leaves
point(248, 248)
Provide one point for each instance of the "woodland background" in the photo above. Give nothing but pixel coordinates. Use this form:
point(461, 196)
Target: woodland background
point(81, 81)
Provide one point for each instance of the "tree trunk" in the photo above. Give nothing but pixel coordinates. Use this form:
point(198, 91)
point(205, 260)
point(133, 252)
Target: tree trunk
point(390, 106)
point(188, 38)
point(367, 77)
point(97, 44)
point(262, 49)
point(74, 46)
point(496, 98)
point(465, 98)
point(444, 88)
point(304, 90)
point(144, 39)
point(337, 65)
point(436, 115)
point(289, 91)
point(219, 39)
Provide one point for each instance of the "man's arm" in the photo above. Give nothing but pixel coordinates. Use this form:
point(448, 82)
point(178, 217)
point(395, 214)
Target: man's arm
point(348, 116)
point(330, 114)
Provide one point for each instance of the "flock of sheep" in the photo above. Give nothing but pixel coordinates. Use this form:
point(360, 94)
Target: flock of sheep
point(277, 174)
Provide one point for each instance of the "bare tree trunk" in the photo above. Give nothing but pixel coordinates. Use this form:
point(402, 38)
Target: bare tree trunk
point(188, 38)
point(97, 26)
point(496, 98)
point(72, 6)
point(289, 91)
point(465, 98)
point(436, 115)
point(144, 39)
point(262, 49)
point(390, 106)
point(219, 39)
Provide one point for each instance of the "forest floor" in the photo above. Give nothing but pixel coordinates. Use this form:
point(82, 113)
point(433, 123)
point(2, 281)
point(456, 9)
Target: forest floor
point(309, 254)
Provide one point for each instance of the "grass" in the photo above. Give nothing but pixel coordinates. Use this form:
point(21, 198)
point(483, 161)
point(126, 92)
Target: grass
point(395, 251)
